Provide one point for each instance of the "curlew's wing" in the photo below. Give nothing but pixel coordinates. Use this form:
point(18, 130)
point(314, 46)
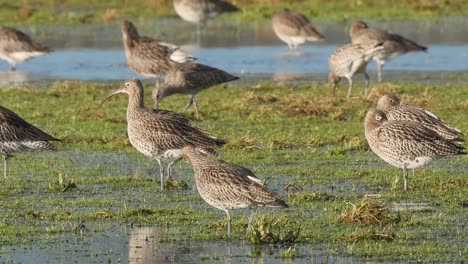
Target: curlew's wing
point(238, 185)
point(170, 130)
point(14, 128)
point(408, 136)
point(13, 40)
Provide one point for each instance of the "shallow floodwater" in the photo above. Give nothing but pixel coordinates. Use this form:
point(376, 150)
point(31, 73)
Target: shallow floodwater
point(251, 50)
point(113, 242)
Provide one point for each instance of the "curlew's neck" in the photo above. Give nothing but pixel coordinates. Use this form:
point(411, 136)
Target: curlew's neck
point(135, 102)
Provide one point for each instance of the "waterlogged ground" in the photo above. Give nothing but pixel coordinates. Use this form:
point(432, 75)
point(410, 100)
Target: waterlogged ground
point(248, 49)
point(97, 199)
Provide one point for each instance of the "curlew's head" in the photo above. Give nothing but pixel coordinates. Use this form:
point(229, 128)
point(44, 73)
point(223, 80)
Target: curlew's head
point(387, 101)
point(129, 30)
point(191, 154)
point(356, 27)
point(374, 119)
point(132, 87)
point(334, 80)
point(161, 92)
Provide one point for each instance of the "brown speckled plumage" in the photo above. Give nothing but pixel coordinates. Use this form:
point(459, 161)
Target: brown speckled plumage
point(394, 109)
point(149, 57)
point(228, 186)
point(394, 44)
point(405, 144)
point(17, 47)
point(17, 135)
point(349, 60)
point(190, 78)
point(294, 28)
point(161, 134)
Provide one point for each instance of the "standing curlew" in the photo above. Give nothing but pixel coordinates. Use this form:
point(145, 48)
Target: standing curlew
point(294, 28)
point(405, 144)
point(349, 60)
point(160, 134)
point(17, 135)
point(149, 57)
point(395, 45)
point(190, 78)
point(200, 11)
point(229, 186)
point(17, 47)
point(394, 109)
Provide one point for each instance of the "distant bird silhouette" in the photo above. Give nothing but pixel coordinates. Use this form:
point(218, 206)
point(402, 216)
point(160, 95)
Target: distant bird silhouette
point(229, 186)
point(17, 47)
point(294, 28)
point(349, 60)
point(405, 144)
point(160, 134)
point(200, 11)
point(190, 78)
point(150, 57)
point(17, 135)
point(394, 44)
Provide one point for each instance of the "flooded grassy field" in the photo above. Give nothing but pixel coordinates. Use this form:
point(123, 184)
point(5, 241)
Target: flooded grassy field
point(98, 199)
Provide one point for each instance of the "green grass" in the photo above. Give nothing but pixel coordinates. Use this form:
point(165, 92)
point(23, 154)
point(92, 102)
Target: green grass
point(76, 12)
point(288, 134)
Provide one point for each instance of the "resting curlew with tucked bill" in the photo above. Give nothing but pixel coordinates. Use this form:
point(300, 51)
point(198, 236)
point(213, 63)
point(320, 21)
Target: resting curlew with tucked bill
point(190, 78)
point(405, 144)
point(294, 28)
point(150, 57)
point(395, 45)
point(160, 134)
point(17, 135)
point(229, 186)
point(17, 47)
point(395, 109)
point(350, 59)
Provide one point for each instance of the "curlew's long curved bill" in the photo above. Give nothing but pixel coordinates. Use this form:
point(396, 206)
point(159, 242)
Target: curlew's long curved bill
point(120, 90)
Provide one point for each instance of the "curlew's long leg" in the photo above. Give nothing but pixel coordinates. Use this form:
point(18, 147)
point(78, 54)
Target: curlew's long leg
point(5, 166)
point(170, 171)
point(161, 173)
point(367, 83)
point(228, 214)
point(405, 178)
point(379, 70)
point(191, 101)
point(350, 87)
point(253, 211)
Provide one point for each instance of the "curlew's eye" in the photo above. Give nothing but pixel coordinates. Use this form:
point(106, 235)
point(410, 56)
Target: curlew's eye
point(378, 118)
point(127, 84)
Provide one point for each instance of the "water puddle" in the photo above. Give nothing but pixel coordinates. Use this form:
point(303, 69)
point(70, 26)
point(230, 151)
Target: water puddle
point(251, 50)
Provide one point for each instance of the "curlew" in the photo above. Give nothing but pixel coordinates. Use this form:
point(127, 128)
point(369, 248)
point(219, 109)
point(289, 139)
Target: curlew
point(160, 134)
point(394, 109)
point(349, 60)
point(405, 144)
point(395, 45)
point(190, 78)
point(200, 11)
point(294, 28)
point(17, 47)
point(149, 57)
point(229, 186)
point(17, 135)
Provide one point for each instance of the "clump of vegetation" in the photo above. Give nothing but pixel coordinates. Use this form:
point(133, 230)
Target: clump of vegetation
point(270, 229)
point(172, 184)
point(368, 211)
point(62, 185)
